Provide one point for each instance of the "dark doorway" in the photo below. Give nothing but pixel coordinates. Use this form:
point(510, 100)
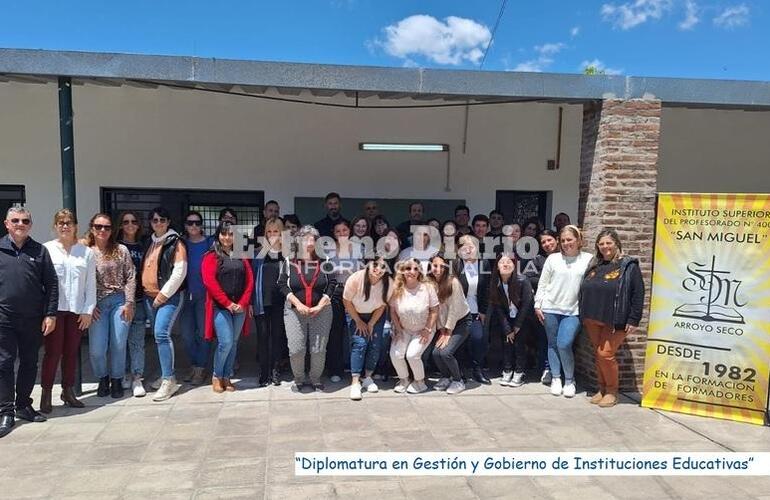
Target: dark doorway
point(10, 195)
point(518, 206)
point(247, 204)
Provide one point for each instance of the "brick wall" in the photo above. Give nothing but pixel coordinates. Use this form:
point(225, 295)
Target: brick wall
point(618, 184)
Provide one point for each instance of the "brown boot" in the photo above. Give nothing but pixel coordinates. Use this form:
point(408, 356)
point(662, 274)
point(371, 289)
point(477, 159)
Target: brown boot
point(609, 400)
point(45, 401)
point(229, 387)
point(68, 396)
point(216, 385)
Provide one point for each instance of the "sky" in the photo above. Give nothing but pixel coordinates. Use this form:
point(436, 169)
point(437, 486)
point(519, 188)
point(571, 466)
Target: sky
point(724, 39)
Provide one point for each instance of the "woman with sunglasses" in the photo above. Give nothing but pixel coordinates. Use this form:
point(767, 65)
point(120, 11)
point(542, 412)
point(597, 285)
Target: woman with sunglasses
point(130, 236)
point(164, 268)
point(366, 297)
point(413, 313)
point(116, 295)
point(76, 271)
point(229, 284)
point(194, 308)
point(454, 325)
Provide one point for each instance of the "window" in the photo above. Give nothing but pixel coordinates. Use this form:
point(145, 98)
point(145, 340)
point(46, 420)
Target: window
point(518, 206)
point(247, 204)
point(10, 195)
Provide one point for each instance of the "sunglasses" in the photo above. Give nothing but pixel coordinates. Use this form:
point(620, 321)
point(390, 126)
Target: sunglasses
point(127, 222)
point(23, 222)
point(65, 223)
point(405, 269)
point(193, 223)
point(380, 265)
point(102, 227)
point(159, 220)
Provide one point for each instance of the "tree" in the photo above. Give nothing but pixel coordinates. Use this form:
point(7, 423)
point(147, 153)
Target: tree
point(593, 70)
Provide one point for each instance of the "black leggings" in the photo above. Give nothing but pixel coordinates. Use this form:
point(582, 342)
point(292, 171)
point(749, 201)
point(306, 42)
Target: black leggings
point(515, 353)
point(445, 358)
point(271, 340)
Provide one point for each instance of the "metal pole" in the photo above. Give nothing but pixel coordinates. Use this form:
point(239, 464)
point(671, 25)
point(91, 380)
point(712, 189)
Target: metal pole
point(67, 145)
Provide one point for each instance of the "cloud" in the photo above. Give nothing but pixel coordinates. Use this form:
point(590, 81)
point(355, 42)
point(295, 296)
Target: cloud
point(575, 31)
point(631, 14)
point(544, 58)
point(534, 66)
point(454, 41)
point(690, 17)
point(596, 63)
point(732, 17)
point(549, 48)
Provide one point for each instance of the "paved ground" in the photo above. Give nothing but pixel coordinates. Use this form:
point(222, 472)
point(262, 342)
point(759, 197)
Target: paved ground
point(203, 445)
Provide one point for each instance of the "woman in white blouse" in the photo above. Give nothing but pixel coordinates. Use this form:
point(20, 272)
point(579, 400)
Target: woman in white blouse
point(556, 306)
point(76, 269)
point(454, 325)
point(413, 313)
point(366, 297)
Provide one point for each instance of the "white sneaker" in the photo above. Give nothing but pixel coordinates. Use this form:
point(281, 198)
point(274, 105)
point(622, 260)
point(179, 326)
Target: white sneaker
point(155, 385)
point(556, 386)
point(401, 386)
point(138, 388)
point(167, 389)
point(518, 379)
point(416, 387)
point(456, 387)
point(355, 392)
point(546, 378)
point(442, 384)
point(335, 378)
point(506, 380)
point(127, 380)
point(369, 385)
point(569, 390)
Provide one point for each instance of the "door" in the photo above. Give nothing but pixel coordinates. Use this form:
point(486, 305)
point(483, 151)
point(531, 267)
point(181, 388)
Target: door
point(518, 206)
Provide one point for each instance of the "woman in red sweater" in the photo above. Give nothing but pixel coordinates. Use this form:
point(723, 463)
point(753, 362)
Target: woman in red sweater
point(229, 284)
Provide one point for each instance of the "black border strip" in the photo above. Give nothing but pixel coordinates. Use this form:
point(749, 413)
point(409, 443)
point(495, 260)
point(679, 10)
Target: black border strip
point(690, 344)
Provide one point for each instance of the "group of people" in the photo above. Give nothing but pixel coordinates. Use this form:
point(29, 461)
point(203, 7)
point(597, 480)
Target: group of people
point(413, 303)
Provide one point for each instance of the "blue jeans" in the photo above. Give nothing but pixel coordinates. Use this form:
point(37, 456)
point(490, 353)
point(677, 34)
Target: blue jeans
point(365, 352)
point(561, 331)
point(163, 319)
point(109, 333)
point(228, 329)
point(136, 340)
point(193, 329)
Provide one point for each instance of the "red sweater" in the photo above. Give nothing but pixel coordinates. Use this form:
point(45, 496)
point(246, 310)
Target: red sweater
point(215, 294)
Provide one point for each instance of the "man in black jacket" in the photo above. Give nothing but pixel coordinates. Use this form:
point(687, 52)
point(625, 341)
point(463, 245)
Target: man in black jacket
point(29, 299)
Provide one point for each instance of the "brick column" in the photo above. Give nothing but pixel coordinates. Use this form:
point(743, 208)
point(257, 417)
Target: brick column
point(618, 184)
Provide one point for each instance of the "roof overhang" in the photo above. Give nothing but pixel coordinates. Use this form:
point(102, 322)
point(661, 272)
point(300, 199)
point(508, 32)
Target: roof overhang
point(324, 80)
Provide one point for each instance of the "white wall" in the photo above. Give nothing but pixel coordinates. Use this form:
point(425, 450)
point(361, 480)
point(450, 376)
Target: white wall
point(29, 148)
point(183, 139)
point(706, 150)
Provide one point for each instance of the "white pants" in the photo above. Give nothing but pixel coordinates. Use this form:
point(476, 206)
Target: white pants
point(408, 348)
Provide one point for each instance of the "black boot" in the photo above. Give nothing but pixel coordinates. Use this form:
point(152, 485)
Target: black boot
point(116, 390)
point(480, 377)
point(104, 387)
point(276, 379)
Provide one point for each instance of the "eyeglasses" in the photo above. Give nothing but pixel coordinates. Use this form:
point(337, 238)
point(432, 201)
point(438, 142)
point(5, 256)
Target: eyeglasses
point(102, 227)
point(65, 223)
point(193, 223)
point(159, 220)
point(23, 222)
point(127, 222)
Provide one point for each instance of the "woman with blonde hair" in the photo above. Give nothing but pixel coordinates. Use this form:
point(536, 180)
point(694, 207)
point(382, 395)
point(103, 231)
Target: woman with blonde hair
point(116, 296)
point(75, 266)
point(413, 312)
point(611, 303)
point(268, 303)
point(557, 307)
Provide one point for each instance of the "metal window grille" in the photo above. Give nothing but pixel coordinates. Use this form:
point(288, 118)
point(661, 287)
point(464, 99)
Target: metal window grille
point(10, 195)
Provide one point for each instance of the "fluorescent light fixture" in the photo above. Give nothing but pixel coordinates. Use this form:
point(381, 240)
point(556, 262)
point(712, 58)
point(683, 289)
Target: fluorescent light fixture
point(379, 146)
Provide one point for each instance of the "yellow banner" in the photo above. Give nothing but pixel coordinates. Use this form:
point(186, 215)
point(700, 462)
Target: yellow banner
point(708, 344)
